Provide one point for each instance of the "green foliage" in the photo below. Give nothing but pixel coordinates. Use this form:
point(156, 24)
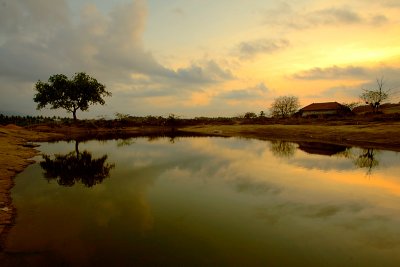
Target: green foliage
point(70, 94)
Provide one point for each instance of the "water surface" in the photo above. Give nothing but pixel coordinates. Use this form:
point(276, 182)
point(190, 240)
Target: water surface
point(206, 202)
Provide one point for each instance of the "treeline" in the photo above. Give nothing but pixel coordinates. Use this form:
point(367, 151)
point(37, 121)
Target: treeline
point(174, 121)
point(134, 121)
point(30, 120)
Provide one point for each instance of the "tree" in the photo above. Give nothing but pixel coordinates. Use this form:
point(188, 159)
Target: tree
point(284, 106)
point(250, 115)
point(70, 94)
point(374, 98)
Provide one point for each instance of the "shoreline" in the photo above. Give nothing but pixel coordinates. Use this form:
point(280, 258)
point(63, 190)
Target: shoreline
point(17, 150)
point(15, 155)
point(384, 136)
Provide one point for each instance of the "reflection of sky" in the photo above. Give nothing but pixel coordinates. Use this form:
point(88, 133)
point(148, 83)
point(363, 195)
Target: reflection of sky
point(215, 201)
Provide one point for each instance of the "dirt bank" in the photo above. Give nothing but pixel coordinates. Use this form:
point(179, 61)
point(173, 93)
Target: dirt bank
point(374, 135)
point(15, 153)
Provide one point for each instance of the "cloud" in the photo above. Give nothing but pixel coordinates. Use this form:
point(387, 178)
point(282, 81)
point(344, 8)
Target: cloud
point(349, 72)
point(178, 11)
point(391, 3)
point(333, 72)
point(256, 92)
point(342, 15)
point(379, 20)
point(206, 72)
point(41, 38)
point(284, 15)
point(249, 50)
point(35, 45)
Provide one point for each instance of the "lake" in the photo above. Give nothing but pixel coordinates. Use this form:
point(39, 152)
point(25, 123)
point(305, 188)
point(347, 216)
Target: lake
point(206, 202)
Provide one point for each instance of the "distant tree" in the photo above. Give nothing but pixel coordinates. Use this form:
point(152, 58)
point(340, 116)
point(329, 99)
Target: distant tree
point(250, 115)
point(262, 114)
point(284, 106)
point(121, 116)
point(375, 97)
point(70, 94)
point(172, 121)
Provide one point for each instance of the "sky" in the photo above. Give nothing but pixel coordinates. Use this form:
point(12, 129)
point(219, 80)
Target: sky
point(199, 57)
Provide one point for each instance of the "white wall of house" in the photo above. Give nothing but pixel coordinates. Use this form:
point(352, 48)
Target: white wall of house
point(319, 112)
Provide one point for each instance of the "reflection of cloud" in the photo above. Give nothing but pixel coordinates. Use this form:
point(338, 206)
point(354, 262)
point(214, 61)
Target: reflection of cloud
point(276, 212)
point(256, 187)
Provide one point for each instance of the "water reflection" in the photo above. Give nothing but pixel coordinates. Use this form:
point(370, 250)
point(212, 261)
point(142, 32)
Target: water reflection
point(76, 167)
point(361, 158)
point(211, 202)
point(367, 159)
point(321, 148)
point(282, 149)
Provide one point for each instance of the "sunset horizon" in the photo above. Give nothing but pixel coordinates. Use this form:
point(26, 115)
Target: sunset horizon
point(199, 57)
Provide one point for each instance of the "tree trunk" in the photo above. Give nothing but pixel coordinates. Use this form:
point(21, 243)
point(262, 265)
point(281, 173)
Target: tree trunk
point(77, 149)
point(74, 114)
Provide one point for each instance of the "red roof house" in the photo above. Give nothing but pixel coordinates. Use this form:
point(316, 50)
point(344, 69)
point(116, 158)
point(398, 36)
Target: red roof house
point(321, 109)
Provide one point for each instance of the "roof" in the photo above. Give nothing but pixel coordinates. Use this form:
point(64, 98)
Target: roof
point(323, 106)
point(321, 148)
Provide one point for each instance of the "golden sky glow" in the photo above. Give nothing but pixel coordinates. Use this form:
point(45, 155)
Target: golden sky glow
point(200, 57)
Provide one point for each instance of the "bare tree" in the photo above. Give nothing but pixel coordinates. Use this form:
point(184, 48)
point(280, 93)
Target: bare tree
point(284, 106)
point(374, 98)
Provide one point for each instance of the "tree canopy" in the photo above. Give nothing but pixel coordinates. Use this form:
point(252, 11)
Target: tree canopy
point(70, 94)
point(284, 106)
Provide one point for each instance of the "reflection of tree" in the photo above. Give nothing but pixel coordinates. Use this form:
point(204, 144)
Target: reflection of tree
point(125, 142)
point(282, 149)
point(367, 160)
point(76, 167)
